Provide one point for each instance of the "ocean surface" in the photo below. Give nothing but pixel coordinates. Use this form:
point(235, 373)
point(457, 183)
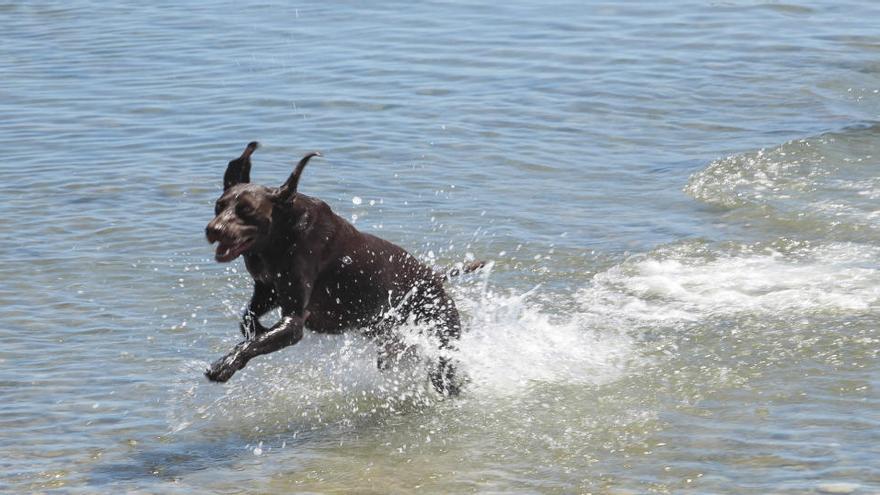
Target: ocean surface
point(680, 202)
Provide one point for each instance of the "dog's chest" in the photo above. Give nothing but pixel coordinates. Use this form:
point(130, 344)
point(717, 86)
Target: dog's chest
point(260, 269)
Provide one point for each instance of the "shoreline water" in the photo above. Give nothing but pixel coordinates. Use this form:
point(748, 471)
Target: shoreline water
point(680, 202)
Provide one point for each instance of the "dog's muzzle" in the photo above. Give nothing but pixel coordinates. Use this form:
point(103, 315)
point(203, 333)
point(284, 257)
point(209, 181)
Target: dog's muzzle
point(227, 249)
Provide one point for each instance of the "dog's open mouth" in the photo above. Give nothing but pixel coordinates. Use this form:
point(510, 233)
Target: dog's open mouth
point(229, 251)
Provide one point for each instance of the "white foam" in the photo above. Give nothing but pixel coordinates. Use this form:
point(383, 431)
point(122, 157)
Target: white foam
point(688, 285)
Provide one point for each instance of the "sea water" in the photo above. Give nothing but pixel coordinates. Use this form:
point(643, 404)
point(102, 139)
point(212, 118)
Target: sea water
point(680, 203)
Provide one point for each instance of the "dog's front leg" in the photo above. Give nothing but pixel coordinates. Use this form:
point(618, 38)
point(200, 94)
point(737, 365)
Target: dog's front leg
point(285, 333)
point(262, 301)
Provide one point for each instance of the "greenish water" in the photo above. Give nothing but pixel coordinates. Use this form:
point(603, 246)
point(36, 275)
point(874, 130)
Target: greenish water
point(680, 203)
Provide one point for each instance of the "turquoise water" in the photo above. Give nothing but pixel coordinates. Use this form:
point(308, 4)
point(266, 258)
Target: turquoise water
point(680, 202)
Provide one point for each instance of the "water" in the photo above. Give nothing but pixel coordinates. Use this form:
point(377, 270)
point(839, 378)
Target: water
point(680, 201)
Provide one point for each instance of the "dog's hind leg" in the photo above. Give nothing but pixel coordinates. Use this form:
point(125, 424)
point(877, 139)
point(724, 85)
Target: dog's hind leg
point(390, 350)
point(446, 325)
point(389, 346)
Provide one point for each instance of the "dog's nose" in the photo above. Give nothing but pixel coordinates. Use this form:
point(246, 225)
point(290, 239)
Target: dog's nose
point(212, 232)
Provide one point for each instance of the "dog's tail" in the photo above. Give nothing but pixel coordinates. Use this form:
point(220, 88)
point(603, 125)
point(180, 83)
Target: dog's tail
point(466, 268)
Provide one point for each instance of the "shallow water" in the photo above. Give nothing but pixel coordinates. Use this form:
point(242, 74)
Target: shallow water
point(680, 202)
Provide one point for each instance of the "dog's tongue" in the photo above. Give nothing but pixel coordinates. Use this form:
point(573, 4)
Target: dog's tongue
point(229, 251)
point(225, 252)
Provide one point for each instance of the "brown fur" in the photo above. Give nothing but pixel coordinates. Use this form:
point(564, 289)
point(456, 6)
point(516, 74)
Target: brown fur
point(323, 273)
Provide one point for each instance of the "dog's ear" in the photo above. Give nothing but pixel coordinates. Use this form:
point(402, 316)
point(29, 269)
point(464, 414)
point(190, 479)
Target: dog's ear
point(239, 170)
point(288, 189)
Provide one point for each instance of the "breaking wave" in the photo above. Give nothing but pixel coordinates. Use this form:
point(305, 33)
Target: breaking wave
point(825, 185)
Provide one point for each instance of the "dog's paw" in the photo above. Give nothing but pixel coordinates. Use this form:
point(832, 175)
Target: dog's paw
point(382, 363)
point(384, 358)
point(445, 378)
point(222, 369)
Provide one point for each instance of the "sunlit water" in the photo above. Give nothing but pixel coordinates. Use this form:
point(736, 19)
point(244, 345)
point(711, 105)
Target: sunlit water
point(681, 203)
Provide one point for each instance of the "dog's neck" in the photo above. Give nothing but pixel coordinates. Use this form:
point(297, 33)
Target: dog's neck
point(304, 226)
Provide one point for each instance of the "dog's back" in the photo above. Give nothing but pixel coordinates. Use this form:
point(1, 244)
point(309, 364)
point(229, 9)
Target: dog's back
point(363, 278)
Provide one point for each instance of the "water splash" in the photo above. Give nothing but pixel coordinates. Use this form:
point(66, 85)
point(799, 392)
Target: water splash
point(608, 329)
point(511, 342)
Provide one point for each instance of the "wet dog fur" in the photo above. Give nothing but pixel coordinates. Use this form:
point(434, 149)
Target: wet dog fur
point(322, 273)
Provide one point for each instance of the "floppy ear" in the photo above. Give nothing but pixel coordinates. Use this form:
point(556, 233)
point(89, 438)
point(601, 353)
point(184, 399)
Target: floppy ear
point(239, 170)
point(288, 189)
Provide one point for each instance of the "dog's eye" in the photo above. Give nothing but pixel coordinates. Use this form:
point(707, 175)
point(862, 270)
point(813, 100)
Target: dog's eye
point(217, 208)
point(244, 210)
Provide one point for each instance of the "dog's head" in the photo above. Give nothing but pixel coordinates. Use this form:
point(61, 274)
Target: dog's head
point(244, 213)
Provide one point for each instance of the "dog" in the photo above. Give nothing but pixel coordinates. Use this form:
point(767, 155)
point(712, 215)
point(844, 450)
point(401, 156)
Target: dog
point(323, 273)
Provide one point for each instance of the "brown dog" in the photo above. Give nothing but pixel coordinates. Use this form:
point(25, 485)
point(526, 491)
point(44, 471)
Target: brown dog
point(323, 273)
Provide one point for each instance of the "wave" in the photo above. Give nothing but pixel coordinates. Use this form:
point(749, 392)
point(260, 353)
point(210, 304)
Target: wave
point(696, 281)
point(826, 185)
